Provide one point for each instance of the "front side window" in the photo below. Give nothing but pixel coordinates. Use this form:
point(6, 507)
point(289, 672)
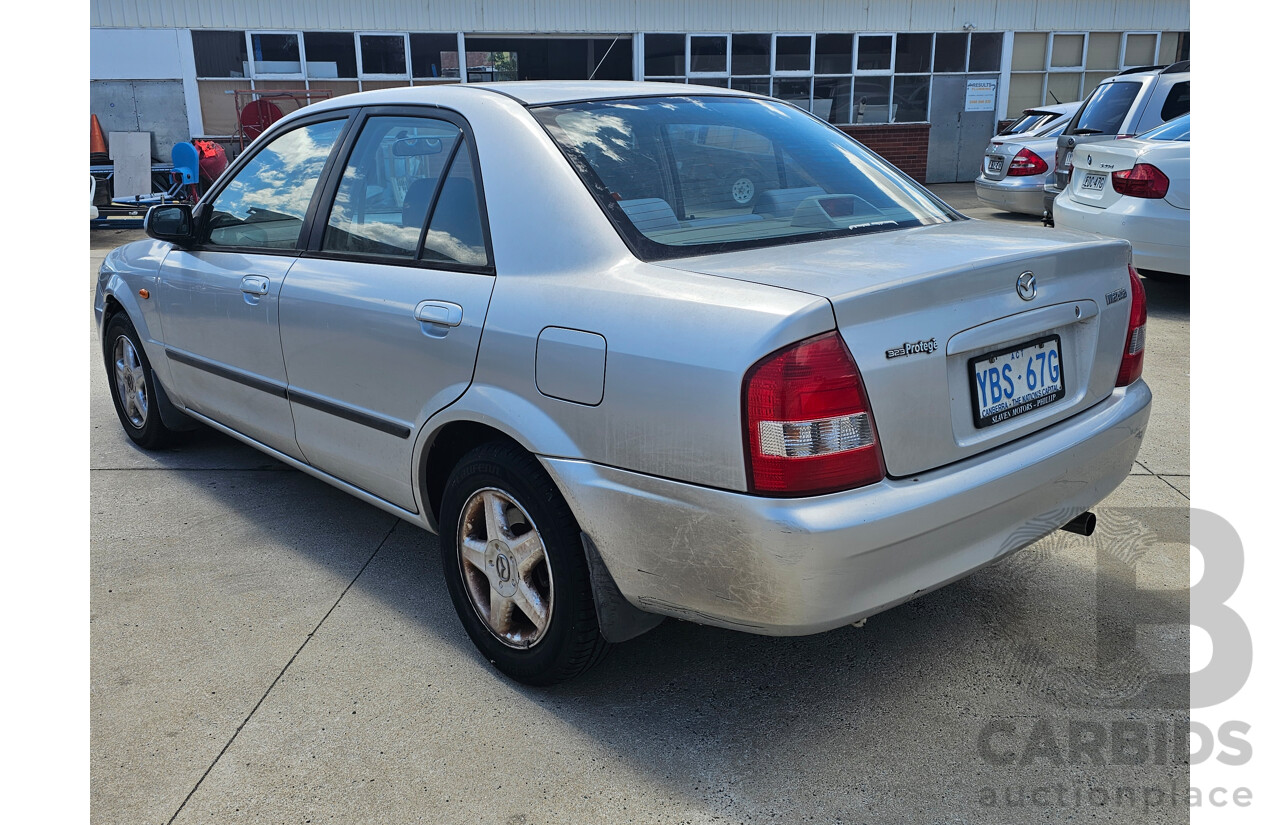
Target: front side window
point(684, 175)
point(264, 205)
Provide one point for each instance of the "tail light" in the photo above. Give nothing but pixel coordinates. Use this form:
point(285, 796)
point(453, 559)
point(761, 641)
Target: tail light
point(1142, 181)
point(809, 427)
point(1027, 162)
point(1135, 341)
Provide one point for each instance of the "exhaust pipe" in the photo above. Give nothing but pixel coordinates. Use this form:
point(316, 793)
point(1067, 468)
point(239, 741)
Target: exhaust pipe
point(1083, 524)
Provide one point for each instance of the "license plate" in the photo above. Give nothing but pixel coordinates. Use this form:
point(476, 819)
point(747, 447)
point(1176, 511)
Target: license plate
point(1093, 182)
point(1016, 380)
point(994, 164)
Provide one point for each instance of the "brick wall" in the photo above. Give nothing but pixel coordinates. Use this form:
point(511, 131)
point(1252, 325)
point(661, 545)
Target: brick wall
point(905, 145)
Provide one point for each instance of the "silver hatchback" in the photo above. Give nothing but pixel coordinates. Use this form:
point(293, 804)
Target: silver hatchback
point(530, 318)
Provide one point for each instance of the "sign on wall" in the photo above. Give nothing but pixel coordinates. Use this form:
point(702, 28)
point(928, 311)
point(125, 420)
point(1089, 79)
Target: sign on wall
point(980, 95)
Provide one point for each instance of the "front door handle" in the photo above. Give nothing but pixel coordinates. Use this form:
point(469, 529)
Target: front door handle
point(442, 313)
point(254, 285)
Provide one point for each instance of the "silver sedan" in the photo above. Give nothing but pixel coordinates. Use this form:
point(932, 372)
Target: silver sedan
point(1017, 165)
point(528, 317)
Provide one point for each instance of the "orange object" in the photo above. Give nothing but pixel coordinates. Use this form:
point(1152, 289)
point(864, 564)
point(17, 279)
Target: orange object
point(144, 293)
point(97, 141)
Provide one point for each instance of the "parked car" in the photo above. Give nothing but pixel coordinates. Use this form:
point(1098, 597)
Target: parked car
point(1122, 106)
point(1039, 119)
point(1016, 167)
point(1139, 190)
point(487, 310)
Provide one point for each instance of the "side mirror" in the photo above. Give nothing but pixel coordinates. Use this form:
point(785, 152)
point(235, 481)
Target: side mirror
point(170, 222)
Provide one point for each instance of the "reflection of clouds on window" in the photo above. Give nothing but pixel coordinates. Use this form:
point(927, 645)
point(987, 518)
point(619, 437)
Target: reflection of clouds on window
point(441, 246)
point(276, 185)
point(597, 134)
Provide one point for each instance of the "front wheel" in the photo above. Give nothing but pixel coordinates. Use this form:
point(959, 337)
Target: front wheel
point(133, 385)
point(515, 569)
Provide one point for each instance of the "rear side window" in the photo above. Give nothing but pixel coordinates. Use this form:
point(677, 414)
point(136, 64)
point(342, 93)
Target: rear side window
point(1029, 122)
point(1106, 109)
point(455, 232)
point(393, 175)
point(1178, 102)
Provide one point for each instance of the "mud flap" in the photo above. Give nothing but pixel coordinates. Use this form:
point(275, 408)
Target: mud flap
point(172, 417)
point(619, 619)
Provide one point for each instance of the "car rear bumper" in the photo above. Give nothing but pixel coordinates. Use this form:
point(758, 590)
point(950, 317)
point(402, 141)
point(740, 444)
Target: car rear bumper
point(1024, 195)
point(1159, 233)
point(799, 566)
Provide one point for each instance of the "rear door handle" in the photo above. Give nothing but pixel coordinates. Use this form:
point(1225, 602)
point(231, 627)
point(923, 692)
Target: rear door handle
point(442, 313)
point(254, 285)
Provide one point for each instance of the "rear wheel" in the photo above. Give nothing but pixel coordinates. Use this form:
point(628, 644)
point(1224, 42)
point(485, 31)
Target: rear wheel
point(133, 385)
point(515, 569)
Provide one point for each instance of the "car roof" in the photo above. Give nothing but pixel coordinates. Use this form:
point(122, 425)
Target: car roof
point(542, 92)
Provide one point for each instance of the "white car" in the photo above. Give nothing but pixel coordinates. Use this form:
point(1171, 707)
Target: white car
point(1139, 190)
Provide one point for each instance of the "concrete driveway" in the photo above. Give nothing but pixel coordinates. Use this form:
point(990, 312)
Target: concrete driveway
point(267, 649)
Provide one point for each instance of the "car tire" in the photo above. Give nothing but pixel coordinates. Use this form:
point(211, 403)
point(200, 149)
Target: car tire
point(133, 385)
point(515, 568)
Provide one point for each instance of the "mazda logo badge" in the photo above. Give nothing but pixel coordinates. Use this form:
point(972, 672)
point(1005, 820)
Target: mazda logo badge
point(1027, 286)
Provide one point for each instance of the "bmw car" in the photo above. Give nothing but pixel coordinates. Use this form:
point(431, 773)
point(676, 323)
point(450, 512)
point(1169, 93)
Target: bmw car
point(522, 318)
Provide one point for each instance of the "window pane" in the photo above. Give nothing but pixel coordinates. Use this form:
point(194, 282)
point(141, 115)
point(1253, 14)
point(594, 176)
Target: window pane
point(793, 90)
point(483, 67)
point(708, 54)
point(663, 55)
point(756, 85)
point(330, 54)
point(1063, 87)
point(1178, 102)
point(720, 82)
point(219, 54)
point(871, 99)
point(682, 176)
point(1068, 50)
point(1028, 51)
point(984, 52)
point(910, 99)
point(831, 98)
point(1140, 50)
point(1103, 113)
point(387, 187)
point(793, 53)
point(834, 54)
point(382, 54)
point(456, 233)
point(1104, 50)
point(1025, 91)
point(751, 54)
point(434, 55)
point(949, 52)
point(914, 53)
point(874, 52)
point(276, 54)
point(264, 205)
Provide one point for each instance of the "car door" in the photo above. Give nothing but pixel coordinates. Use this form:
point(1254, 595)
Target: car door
point(380, 319)
point(219, 301)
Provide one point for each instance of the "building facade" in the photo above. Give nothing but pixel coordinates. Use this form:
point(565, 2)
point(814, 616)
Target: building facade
point(924, 82)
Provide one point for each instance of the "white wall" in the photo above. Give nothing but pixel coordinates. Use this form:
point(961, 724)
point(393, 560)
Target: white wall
point(618, 16)
point(147, 54)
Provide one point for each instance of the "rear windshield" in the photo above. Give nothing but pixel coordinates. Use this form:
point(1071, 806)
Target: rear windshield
point(1029, 122)
point(682, 176)
point(1105, 110)
point(1176, 129)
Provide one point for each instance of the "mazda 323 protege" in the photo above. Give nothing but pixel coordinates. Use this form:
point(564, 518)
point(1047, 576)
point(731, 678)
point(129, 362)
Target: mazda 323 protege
point(533, 319)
